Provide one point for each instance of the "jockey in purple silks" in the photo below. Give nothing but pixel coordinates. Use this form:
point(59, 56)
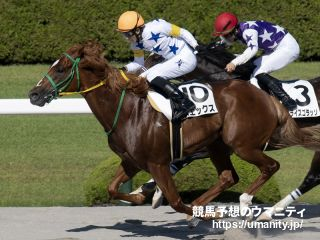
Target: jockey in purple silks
point(278, 45)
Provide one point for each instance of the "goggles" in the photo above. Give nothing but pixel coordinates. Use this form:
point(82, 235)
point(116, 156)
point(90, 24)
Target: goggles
point(128, 34)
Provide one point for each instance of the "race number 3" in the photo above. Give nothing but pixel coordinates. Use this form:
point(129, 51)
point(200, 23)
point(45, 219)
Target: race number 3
point(304, 93)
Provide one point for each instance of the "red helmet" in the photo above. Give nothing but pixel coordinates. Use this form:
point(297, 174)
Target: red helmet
point(224, 24)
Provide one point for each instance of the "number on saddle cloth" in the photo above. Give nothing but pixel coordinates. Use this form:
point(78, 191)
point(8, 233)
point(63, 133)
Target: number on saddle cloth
point(200, 94)
point(303, 93)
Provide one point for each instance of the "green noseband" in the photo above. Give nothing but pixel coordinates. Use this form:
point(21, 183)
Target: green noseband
point(64, 84)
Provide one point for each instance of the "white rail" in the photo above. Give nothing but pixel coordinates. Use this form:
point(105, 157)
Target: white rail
point(23, 106)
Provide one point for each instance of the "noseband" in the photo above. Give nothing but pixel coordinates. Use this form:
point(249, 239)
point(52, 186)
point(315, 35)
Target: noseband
point(58, 88)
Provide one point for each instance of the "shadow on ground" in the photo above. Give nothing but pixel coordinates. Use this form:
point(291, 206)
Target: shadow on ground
point(134, 228)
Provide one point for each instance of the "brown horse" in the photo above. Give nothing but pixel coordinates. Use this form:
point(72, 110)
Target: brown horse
point(211, 63)
point(247, 119)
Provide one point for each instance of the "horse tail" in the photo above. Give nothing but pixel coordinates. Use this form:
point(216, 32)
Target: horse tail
point(290, 134)
point(311, 138)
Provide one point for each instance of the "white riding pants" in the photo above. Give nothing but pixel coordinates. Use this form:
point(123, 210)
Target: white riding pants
point(286, 52)
point(184, 62)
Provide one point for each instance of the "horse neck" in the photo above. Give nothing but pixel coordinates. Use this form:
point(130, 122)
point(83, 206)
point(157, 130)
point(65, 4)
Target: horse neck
point(213, 61)
point(104, 102)
point(207, 69)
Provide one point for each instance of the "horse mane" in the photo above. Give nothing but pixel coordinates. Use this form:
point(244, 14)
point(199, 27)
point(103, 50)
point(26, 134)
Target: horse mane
point(94, 53)
point(220, 57)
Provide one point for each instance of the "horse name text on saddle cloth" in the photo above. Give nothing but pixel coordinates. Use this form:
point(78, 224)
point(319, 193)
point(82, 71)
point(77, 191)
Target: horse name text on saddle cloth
point(303, 93)
point(200, 94)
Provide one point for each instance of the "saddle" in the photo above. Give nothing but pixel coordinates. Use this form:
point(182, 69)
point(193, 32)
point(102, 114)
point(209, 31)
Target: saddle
point(200, 94)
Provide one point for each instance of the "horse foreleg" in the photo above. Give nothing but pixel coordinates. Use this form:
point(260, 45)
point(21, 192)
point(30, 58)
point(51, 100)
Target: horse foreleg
point(162, 175)
point(124, 173)
point(220, 157)
point(151, 186)
point(310, 181)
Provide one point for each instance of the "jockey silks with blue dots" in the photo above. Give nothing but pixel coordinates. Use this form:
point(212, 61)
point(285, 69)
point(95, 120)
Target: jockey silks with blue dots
point(176, 45)
point(162, 38)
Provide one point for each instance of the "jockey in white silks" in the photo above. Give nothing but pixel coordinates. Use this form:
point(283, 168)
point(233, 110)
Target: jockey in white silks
point(279, 46)
point(176, 45)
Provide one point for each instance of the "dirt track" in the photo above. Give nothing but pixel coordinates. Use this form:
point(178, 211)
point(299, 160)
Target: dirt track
point(128, 222)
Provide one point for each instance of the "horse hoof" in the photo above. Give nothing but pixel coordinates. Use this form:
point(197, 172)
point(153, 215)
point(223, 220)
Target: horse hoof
point(192, 221)
point(157, 198)
point(138, 198)
point(264, 217)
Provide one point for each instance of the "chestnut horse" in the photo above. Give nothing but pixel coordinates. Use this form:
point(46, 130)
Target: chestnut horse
point(247, 119)
point(212, 60)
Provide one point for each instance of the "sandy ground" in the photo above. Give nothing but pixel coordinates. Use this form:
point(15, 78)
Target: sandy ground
point(139, 222)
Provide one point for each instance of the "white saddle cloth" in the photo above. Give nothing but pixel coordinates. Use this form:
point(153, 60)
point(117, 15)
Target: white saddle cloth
point(200, 94)
point(303, 93)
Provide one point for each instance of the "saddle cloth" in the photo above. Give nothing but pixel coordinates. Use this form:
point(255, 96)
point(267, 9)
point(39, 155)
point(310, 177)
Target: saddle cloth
point(303, 93)
point(200, 94)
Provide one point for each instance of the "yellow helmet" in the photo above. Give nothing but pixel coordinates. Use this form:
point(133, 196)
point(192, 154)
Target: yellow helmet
point(129, 20)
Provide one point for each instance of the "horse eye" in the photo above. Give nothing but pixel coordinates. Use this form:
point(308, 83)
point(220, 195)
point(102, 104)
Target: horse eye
point(60, 69)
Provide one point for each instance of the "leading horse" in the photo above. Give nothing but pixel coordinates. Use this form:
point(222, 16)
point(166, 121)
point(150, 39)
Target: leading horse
point(247, 119)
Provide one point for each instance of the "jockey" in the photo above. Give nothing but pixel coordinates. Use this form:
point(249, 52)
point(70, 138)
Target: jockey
point(279, 46)
point(176, 45)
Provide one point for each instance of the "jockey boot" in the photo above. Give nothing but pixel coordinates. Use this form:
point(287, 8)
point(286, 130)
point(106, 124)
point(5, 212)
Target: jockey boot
point(275, 87)
point(182, 105)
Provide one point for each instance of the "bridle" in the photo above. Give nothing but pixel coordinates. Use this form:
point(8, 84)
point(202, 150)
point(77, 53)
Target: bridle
point(58, 88)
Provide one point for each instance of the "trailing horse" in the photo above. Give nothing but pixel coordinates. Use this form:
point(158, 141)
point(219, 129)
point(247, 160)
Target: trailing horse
point(247, 119)
point(212, 60)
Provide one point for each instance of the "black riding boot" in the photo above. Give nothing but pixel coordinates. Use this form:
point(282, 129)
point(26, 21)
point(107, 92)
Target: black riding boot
point(275, 87)
point(182, 104)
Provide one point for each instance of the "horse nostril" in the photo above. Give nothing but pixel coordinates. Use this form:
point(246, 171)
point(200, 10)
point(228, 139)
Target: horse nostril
point(33, 96)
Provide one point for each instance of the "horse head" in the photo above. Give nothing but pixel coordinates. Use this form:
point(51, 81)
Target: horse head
point(80, 68)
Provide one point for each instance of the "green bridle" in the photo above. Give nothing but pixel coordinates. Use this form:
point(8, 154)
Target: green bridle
point(58, 88)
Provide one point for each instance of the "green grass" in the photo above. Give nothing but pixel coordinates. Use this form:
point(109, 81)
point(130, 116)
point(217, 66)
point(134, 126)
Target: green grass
point(299, 70)
point(17, 80)
point(44, 160)
point(294, 165)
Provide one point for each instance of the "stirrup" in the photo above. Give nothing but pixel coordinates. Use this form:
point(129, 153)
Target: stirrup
point(182, 113)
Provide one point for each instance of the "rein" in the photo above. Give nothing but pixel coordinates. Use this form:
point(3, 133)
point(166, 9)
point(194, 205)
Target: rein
point(61, 86)
point(116, 117)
